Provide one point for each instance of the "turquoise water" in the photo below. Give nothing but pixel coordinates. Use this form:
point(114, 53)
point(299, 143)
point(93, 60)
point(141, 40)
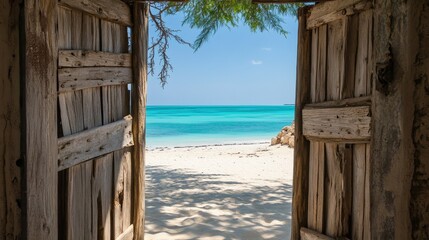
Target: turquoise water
point(200, 125)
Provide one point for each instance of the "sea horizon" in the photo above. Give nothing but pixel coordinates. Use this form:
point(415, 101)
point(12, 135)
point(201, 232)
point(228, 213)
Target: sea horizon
point(196, 125)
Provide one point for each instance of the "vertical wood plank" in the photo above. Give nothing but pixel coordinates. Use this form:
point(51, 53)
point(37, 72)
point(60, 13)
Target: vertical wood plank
point(367, 208)
point(301, 150)
point(321, 64)
point(314, 62)
point(335, 60)
point(316, 186)
point(317, 149)
point(359, 178)
point(40, 120)
point(139, 93)
point(351, 29)
point(10, 122)
point(121, 216)
point(338, 189)
point(363, 54)
point(338, 174)
point(360, 219)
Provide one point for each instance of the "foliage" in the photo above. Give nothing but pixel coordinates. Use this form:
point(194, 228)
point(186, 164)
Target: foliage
point(209, 16)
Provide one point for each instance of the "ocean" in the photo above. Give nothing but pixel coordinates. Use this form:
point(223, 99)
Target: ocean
point(171, 126)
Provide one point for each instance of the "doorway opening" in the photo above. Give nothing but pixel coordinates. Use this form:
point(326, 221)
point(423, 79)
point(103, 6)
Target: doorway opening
point(211, 172)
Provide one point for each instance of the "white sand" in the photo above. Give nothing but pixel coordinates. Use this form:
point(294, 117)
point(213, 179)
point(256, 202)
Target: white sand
point(219, 192)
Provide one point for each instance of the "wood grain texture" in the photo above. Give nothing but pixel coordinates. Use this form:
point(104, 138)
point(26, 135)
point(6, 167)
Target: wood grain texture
point(87, 58)
point(351, 30)
point(363, 56)
point(337, 189)
point(327, 12)
point(359, 185)
point(301, 150)
point(139, 93)
point(308, 234)
point(392, 147)
point(335, 60)
point(10, 120)
point(317, 149)
point(81, 147)
point(316, 186)
point(420, 183)
point(73, 79)
point(40, 124)
point(348, 124)
point(111, 10)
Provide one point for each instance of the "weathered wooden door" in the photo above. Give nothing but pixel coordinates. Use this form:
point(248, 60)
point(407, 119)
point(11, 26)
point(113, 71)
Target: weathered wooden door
point(95, 126)
point(334, 116)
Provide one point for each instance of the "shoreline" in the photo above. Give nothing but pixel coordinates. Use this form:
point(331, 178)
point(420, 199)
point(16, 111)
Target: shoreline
point(211, 145)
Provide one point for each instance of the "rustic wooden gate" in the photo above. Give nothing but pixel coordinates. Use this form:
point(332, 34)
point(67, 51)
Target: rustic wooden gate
point(98, 197)
point(333, 114)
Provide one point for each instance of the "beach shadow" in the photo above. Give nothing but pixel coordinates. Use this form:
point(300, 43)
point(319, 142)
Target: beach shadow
point(182, 204)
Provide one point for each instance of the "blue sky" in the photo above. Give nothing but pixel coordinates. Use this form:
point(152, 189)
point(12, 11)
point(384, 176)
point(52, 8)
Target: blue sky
point(235, 67)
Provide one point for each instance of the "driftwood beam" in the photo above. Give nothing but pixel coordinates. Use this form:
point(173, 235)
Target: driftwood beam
point(73, 79)
point(84, 58)
point(111, 10)
point(77, 148)
point(348, 124)
point(330, 11)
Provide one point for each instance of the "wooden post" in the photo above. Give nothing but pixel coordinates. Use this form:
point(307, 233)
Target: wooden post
point(139, 51)
point(10, 130)
point(392, 150)
point(39, 91)
point(301, 158)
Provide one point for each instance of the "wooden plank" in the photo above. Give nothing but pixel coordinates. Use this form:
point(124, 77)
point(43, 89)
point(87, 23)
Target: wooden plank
point(80, 147)
point(73, 79)
point(327, 12)
point(121, 213)
point(308, 234)
point(348, 102)
point(127, 234)
point(320, 75)
point(362, 67)
point(335, 60)
point(10, 123)
point(337, 190)
point(111, 10)
point(40, 121)
point(367, 208)
point(87, 58)
point(351, 28)
point(316, 186)
point(139, 94)
point(301, 150)
point(348, 124)
point(359, 178)
point(314, 63)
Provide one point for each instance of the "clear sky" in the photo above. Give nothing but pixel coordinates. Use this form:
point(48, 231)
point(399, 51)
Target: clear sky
point(235, 67)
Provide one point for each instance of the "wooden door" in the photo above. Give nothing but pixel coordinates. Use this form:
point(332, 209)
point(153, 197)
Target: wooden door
point(334, 116)
point(95, 125)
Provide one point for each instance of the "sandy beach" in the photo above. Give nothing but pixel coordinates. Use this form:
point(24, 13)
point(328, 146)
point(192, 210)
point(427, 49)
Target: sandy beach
point(241, 191)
